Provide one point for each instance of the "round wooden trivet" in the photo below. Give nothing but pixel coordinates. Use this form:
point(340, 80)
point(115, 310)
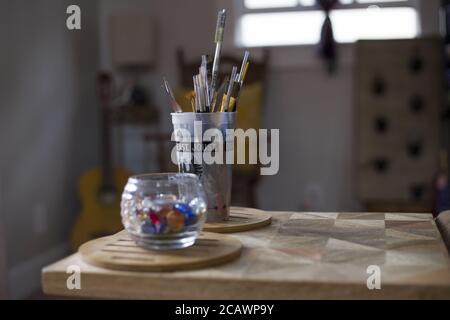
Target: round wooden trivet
point(241, 219)
point(119, 252)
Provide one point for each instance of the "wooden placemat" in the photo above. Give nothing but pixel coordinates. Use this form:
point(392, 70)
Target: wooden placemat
point(119, 252)
point(241, 219)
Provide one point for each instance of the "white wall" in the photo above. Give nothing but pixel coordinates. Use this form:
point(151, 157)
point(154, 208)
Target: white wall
point(313, 109)
point(315, 114)
point(178, 23)
point(429, 10)
point(47, 118)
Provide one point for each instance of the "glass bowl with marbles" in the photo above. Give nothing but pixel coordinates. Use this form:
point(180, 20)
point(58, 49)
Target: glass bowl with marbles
point(163, 211)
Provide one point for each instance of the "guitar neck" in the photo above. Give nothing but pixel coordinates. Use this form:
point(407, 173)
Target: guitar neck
point(105, 88)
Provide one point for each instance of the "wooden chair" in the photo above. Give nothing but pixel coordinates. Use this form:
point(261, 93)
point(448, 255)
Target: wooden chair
point(250, 110)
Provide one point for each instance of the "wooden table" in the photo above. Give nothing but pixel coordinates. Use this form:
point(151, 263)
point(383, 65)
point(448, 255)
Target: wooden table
point(301, 255)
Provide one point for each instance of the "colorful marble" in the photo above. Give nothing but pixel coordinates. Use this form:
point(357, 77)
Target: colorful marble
point(169, 218)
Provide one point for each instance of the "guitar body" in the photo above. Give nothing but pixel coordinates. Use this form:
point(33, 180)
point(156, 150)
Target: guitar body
point(100, 189)
point(100, 209)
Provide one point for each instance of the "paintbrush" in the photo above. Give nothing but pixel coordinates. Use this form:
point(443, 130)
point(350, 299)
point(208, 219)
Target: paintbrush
point(243, 65)
point(173, 103)
point(218, 96)
point(197, 94)
point(218, 39)
point(240, 80)
point(230, 90)
point(204, 81)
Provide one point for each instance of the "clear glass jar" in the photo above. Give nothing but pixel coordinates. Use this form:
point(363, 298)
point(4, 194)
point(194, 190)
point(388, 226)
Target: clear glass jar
point(164, 210)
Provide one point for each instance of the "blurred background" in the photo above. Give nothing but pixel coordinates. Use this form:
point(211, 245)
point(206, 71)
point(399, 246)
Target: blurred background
point(358, 89)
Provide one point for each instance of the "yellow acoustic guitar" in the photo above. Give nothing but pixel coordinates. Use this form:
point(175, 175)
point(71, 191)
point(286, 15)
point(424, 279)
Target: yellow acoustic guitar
point(100, 188)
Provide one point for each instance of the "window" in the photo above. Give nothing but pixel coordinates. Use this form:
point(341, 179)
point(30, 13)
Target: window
point(297, 22)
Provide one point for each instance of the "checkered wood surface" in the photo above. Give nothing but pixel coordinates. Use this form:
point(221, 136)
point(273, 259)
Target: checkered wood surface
point(300, 255)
